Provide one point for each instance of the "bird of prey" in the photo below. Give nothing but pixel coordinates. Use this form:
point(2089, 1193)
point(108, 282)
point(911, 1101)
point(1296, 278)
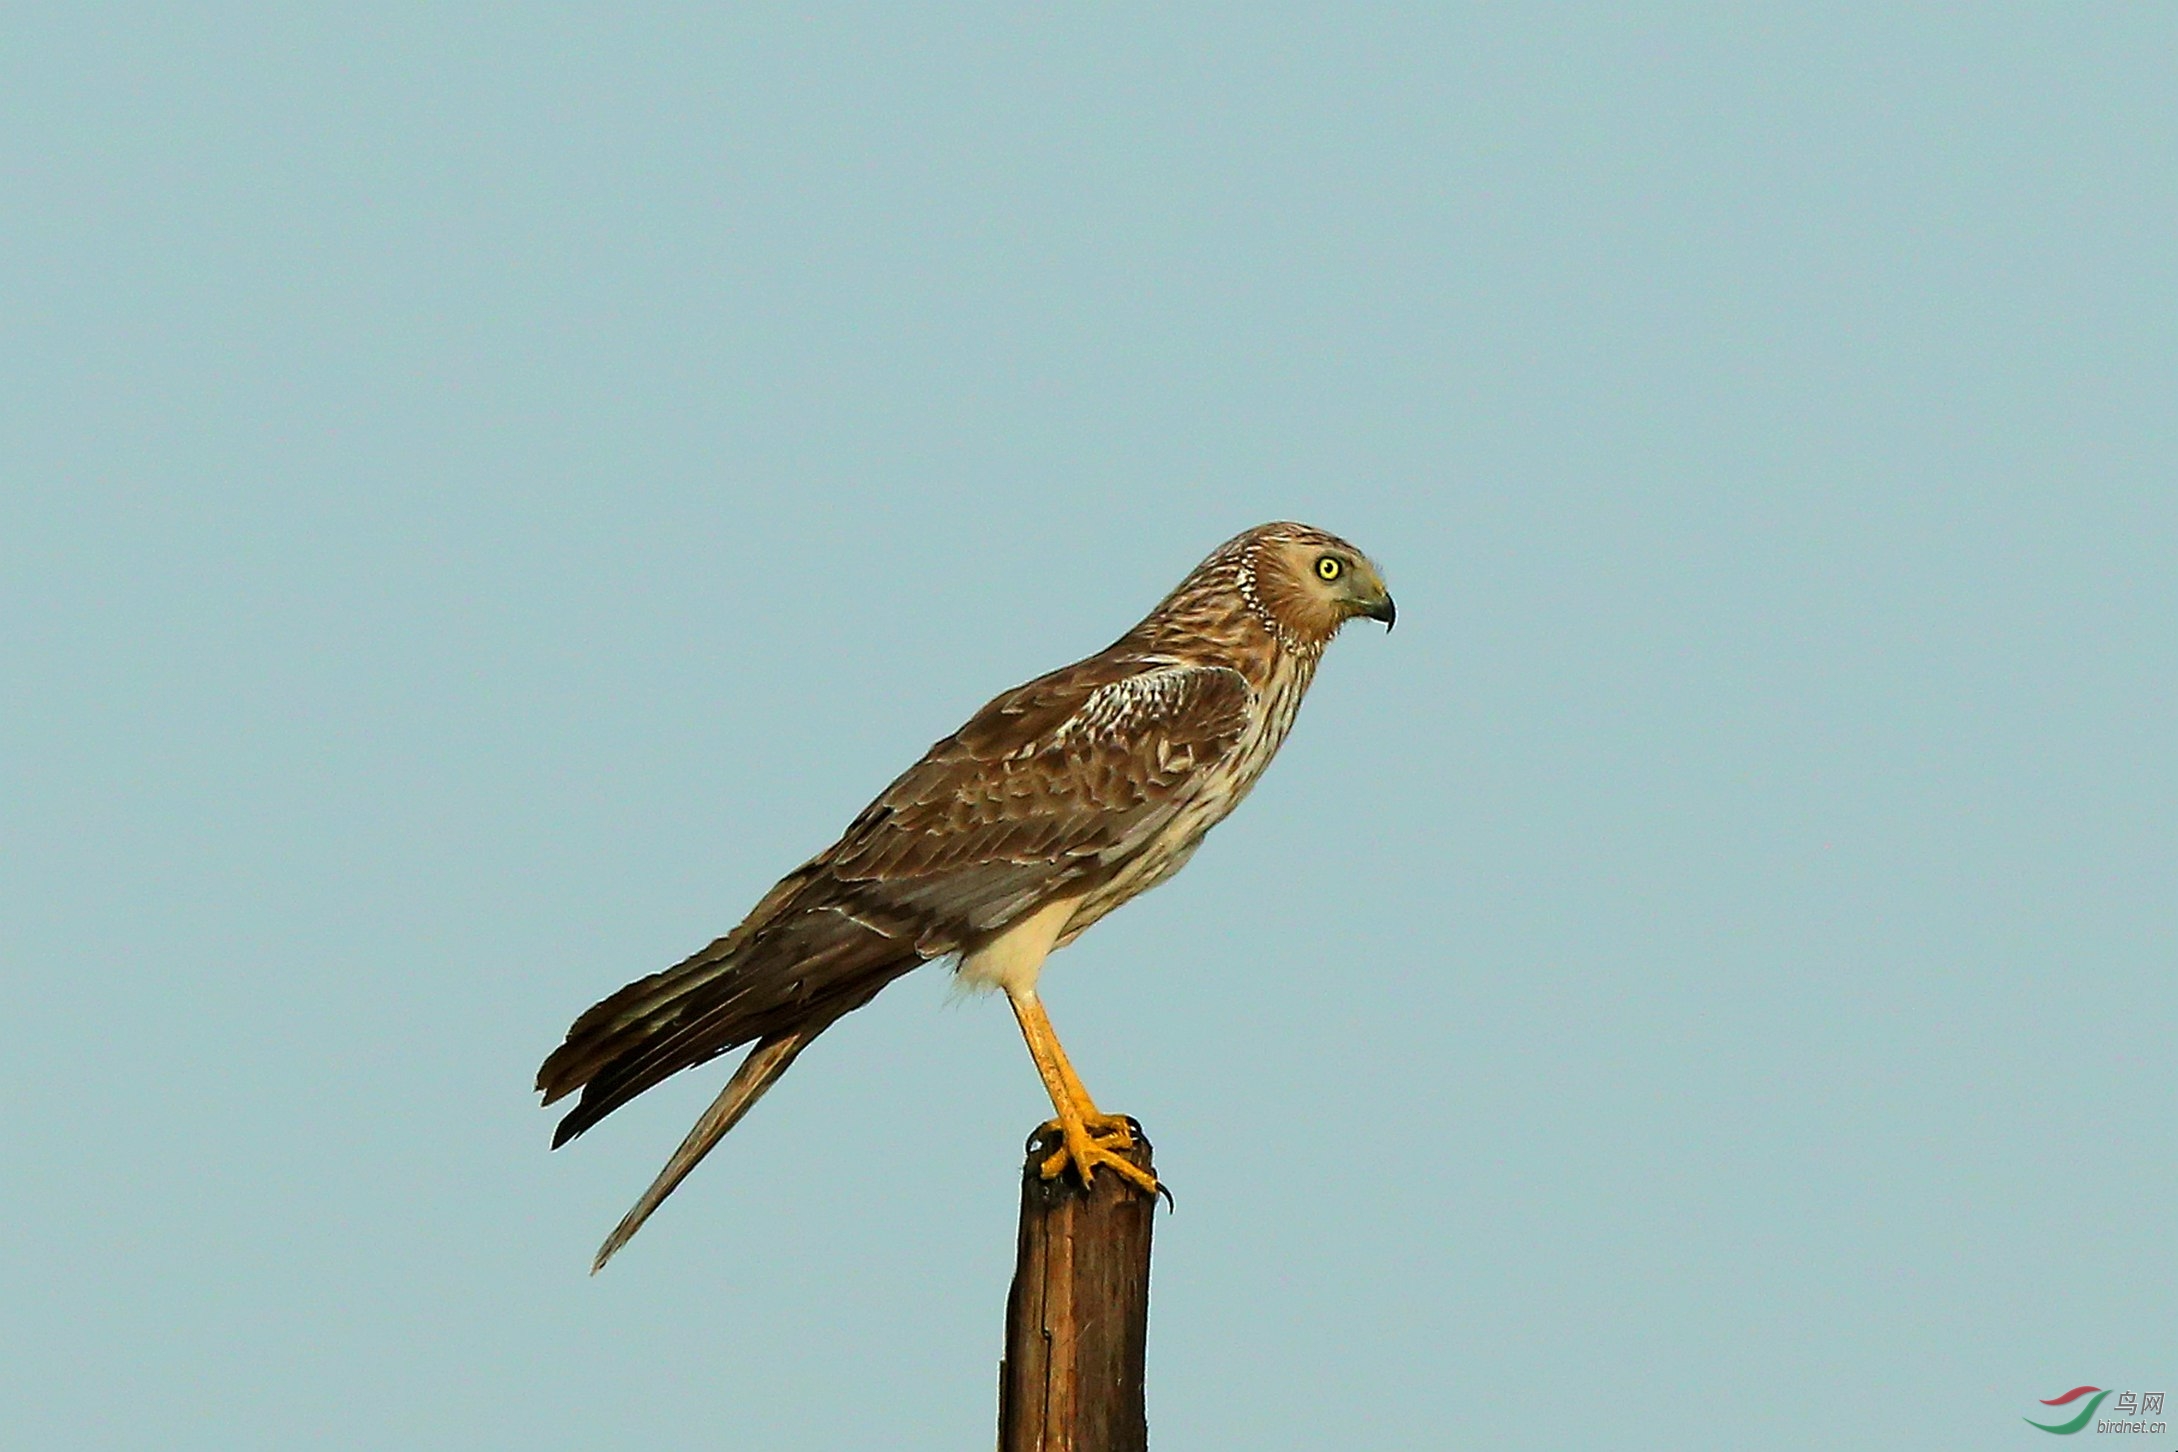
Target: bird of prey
point(1054, 804)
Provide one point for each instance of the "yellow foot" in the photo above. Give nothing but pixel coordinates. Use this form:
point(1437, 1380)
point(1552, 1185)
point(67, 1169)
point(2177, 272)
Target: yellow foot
point(1112, 1129)
point(1100, 1139)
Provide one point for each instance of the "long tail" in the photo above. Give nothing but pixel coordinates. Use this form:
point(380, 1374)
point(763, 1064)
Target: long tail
point(809, 954)
point(765, 1063)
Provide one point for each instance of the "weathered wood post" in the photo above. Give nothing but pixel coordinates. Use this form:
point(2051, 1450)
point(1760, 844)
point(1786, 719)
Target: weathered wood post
point(1077, 1318)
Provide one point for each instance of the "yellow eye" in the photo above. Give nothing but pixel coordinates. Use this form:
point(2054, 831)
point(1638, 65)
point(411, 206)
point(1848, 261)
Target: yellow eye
point(1328, 568)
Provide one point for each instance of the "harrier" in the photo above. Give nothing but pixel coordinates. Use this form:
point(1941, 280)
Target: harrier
point(1056, 803)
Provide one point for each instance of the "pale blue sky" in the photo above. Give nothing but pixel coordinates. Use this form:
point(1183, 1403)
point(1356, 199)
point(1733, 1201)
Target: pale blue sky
point(482, 494)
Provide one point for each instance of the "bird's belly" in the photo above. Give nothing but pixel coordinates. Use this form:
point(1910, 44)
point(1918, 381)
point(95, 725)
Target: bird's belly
point(1164, 855)
point(1013, 959)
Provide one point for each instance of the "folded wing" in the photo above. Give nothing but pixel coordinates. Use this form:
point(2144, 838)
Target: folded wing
point(1048, 789)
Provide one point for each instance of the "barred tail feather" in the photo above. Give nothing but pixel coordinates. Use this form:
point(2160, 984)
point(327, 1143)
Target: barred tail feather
point(765, 1063)
point(609, 1030)
point(805, 956)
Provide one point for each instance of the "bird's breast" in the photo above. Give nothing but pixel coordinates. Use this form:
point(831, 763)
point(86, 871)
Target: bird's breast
point(1223, 784)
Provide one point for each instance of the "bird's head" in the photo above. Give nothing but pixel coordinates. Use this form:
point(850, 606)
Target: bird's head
point(1311, 582)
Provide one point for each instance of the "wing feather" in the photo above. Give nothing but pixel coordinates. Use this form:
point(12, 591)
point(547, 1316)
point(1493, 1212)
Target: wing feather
point(1046, 790)
point(1045, 787)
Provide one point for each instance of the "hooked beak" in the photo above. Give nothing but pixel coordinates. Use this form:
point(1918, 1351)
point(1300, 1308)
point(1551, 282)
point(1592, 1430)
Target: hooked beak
point(1385, 611)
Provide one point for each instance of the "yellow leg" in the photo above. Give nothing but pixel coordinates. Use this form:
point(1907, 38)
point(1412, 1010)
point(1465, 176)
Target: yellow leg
point(1114, 1125)
point(1090, 1137)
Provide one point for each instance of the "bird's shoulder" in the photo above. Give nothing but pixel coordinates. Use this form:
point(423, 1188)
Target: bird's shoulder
point(1111, 702)
point(1096, 742)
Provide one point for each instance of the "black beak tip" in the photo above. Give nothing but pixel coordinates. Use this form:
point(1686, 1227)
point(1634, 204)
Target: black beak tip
point(1386, 612)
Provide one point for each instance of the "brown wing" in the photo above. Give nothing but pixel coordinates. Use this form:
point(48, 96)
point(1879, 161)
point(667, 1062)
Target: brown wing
point(1047, 789)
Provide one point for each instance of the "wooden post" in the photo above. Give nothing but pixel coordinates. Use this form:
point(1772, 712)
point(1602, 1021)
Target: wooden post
point(1077, 1318)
